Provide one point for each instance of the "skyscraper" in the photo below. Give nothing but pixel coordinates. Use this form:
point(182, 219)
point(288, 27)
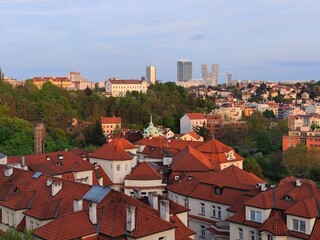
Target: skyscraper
point(210, 79)
point(229, 78)
point(151, 74)
point(184, 70)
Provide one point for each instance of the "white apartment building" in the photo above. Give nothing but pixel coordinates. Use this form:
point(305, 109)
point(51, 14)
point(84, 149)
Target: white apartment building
point(119, 88)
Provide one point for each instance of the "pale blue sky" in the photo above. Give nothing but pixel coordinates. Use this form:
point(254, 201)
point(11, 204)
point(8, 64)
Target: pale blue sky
point(273, 40)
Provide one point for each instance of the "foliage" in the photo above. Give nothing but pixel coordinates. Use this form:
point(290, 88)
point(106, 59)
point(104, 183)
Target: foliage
point(250, 164)
point(14, 234)
point(94, 135)
point(203, 131)
point(268, 114)
point(301, 161)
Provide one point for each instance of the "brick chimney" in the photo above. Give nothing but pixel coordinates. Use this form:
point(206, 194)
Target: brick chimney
point(164, 209)
point(130, 218)
point(93, 213)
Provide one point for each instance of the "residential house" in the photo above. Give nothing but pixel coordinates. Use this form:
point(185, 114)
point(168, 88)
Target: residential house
point(191, 120)
point(110, 124)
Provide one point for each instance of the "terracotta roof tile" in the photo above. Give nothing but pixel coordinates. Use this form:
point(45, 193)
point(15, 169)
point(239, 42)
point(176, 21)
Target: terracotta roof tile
point(113, 151)
point(275, 224)
point(191, 159)
point(194, 116)
point(144, 171)
point(111, 120)
point(315, 235)
point(307, 208)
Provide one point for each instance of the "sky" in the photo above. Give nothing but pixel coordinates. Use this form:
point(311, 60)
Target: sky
point(275, 40)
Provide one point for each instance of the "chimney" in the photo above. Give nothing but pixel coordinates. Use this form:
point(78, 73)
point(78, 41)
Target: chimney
point(100, 181)
point(60, 157)
point(22, 161)
point(8, 171)
point(93, 213)
point(49, 182)
point(47, 158)
point(55, 187)
point(77, 205)
point(153, 200)
point(298, 183)
point(164, 209)
point(136, 193)
point(264, 187)
point(131, 218)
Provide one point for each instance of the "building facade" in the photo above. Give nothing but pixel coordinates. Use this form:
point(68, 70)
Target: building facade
point(184, 70)
point(119, 88)
point(151, 74)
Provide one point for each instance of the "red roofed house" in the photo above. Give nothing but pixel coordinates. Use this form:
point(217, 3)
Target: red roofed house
point(110, 124)
point(60, 209)
point(115, 160)
point(63, 164)
point(143, 180)
point(119, 88)
point(211, 199)
point(287, 211)
point(191, 136)
point(191, 120)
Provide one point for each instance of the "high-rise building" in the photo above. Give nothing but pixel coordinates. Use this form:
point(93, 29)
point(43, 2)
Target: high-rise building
point(151, 74)
point(184, 70)
point(229, 78)
point(210, 79)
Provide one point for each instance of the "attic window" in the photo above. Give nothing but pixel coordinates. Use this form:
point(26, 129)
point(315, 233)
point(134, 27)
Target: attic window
point(17, 190)
point(152, 148)
point(218, 190)
point(58, 163)
point(288, 198)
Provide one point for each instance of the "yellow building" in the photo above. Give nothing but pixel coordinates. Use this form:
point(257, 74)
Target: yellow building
point(62, 82)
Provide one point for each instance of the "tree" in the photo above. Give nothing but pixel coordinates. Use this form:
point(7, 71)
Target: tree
point(300, 160)
point(14, 234)
point(94, 134)
point(268, 114)
point(250, 164)
point(202, 131)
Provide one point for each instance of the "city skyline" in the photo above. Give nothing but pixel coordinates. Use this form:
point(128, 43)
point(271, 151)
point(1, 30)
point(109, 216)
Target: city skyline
point(268, 40)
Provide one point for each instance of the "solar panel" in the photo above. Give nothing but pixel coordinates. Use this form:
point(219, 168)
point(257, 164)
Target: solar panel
point(37, 175)
point(96, 193)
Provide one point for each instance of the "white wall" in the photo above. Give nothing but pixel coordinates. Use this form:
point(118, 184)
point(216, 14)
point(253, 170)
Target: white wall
point(168, 235)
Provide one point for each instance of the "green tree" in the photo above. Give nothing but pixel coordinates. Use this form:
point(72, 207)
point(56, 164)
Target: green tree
point(268, 114)
point(203, 131)
point(14, 234)
point(94, 134)
point(250, 164)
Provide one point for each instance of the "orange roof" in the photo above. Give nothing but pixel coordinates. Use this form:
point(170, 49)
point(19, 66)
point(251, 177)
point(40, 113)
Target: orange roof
point(125, 143)
point(111, 120)
point(54, 163)
point(144, 172)
point(275, 224)
point(70, 226)
point(191, 159)
point(113, 151)
point(307, 208)
point(194, 116)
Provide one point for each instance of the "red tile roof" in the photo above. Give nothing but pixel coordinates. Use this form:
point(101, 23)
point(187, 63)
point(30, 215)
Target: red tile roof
point(182, 232)
point(275, 224)
point(308, 208)
point(125, 143)
point(315, 235)
point(191, 159)
point(54, 163)
point(113, 151)
point(111, 120)
point(144, 172)
point(70, 226)
point(194, 116)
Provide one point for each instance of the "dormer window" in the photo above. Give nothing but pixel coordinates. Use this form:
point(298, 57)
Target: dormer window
point(288, 198)
point(299, 225)
point(218, 190)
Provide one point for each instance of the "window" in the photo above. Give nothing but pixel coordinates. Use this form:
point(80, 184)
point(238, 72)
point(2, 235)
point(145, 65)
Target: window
point(177, 201)
point(270, 237)
point(203, 231)
point(255, 216)
point(252, 235)
point(299, 225)
point(202, 209)
point(240, 233)
point(214, 211)
point(161, 238)
point(219, 212)
point(186, 202)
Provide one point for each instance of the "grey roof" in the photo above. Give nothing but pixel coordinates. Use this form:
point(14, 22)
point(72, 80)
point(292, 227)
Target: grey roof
point(2, 155)
point(96, 193)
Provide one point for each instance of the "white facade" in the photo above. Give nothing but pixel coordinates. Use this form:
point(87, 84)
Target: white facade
point(145, 187)
point(119, 88)
point(151, 74)
point(187, 124)
point(229, 114)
